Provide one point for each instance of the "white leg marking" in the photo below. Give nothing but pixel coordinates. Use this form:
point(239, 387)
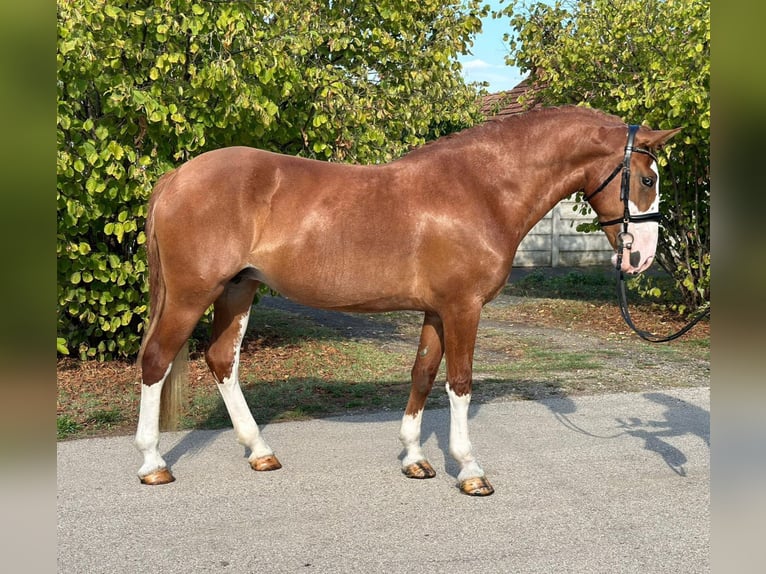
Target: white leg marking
point(459, 443)
point(409, 434)
point(242, 419)
point(148, 432)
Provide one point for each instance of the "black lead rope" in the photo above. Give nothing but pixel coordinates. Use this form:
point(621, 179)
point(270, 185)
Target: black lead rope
point(622, 298)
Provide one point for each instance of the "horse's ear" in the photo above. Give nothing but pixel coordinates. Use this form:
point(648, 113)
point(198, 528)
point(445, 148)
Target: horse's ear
point(654, 139)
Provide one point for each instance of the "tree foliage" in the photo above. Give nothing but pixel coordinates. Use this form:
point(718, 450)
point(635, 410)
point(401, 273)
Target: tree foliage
point(146, 85)
point(647, 61)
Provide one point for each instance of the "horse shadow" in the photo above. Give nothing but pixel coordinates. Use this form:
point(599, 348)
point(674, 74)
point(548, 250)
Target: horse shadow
point(192, 443)
point(680, 418)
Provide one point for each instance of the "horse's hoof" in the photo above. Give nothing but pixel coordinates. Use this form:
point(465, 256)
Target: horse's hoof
point(420, 469)
point(161, 476)
point(269, 462)
point(477, 486)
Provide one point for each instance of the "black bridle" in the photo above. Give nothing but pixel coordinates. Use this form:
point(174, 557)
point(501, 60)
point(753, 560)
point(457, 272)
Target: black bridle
point(625, 239)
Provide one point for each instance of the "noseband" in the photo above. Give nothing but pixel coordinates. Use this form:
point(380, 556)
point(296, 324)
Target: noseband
point(624, 238)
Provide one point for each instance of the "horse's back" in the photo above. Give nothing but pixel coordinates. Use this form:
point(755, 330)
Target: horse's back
point(327, 234)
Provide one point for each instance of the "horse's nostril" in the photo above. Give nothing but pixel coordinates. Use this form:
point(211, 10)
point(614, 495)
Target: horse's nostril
point(635, 258)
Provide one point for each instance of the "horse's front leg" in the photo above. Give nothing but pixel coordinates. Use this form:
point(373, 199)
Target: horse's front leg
point(430, 353)
point(460, 338)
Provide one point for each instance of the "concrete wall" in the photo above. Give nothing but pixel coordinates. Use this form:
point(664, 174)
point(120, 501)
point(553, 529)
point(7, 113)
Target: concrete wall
point(555, 242)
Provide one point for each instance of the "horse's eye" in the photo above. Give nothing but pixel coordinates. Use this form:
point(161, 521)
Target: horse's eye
point(647, 181)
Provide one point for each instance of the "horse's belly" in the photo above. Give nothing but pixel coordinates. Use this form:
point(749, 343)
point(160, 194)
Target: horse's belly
point(329, 285)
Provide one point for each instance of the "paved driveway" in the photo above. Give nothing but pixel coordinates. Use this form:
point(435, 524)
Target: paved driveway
point(610, 483)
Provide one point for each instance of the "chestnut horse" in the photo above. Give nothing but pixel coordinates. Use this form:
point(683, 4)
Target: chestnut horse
point(435, 231)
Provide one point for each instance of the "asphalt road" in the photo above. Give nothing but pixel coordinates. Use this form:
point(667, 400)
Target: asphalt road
point(610, 483)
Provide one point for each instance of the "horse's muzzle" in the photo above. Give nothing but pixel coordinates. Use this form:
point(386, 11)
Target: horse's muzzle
point(632, 262)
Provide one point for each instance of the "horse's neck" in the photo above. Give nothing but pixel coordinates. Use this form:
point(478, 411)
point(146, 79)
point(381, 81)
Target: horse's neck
point(532, 180)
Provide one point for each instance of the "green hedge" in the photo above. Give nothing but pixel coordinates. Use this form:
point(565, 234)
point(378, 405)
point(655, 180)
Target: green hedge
point(144, 86)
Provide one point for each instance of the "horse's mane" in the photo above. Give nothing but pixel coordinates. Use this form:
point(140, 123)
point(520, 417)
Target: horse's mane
point(498, 126)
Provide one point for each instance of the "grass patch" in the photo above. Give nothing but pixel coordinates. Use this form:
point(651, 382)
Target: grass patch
point(299, 399)
point(93, 422)
point(532, 359)
point(105, 418)
point(309, 378)
point(66, 427)
point(683, 349)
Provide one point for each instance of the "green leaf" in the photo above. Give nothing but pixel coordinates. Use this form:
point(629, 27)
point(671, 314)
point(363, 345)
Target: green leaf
point(90, 153)
point(61, 346)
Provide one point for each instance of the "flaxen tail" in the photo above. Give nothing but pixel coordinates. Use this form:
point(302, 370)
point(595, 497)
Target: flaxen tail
point(174, 391)
point(175, 383)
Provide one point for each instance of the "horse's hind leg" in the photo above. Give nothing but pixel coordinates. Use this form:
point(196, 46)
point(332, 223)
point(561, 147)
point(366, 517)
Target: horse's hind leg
point(430, 352)
point(159, 365)
point(231, 312)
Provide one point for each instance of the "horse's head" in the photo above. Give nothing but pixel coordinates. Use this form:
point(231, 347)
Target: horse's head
point(628, 206)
